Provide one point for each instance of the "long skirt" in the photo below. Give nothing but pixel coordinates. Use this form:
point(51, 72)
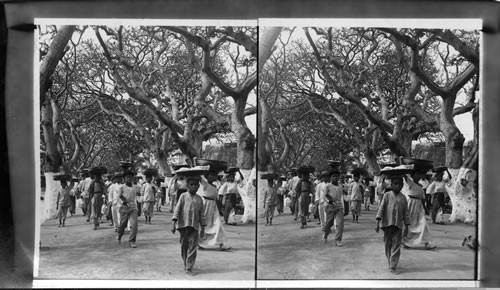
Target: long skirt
point(356, 207)
point(215, 236)
point(418, 230)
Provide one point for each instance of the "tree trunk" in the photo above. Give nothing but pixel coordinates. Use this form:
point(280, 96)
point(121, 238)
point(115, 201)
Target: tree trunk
point(247, 193)
point(52, 156)
point(371, 161)
point(55, 53)
point(50, 198)
point(244, 137)
point(266, 42)
point(263, 136)
point(462, 195)
point(161, 158)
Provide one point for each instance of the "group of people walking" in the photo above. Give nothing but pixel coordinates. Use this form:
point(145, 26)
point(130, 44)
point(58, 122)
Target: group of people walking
point(199, 203)
point(404, 200)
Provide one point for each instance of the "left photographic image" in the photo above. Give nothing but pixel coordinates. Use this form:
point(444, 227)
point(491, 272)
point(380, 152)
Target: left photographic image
point(146, 143)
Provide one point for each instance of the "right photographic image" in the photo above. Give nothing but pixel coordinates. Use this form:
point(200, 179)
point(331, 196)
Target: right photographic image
point(368, 149)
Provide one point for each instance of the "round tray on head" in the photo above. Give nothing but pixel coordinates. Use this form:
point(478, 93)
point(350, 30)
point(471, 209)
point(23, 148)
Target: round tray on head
point(61, 177)
point(232, 170)
point(359, 170)
point(333, 163)
point(439, 169)
point(305, 169)
point(188, 172)
point(126, 164)
point(417, 163)
point(269, 176)
point(179, 166)
point(151, 171)
point(394, 172)
point(382, 165)
point(215, 165)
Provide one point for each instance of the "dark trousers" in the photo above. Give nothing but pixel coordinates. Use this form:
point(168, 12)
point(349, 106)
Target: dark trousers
point(72, 206)
point(229, 205)
point(189, 246)
point(279, 206)
point(392, 242)
point(139, 208)
point(332, 213)
point(303, 205)
point(293, 204)
point(346, 206)
point(428, 201)
point(437, 203)
point(86, 206)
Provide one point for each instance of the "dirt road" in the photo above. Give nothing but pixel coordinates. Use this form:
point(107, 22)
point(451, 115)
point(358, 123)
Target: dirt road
point(287, 252)
point(79, 252)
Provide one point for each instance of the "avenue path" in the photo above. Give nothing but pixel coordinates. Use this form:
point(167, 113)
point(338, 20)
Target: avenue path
point(79, 252)
point(287, 252)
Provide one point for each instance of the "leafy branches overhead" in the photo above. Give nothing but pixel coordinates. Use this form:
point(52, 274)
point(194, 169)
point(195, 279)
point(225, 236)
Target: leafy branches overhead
point(170, 87)
point(386, 87)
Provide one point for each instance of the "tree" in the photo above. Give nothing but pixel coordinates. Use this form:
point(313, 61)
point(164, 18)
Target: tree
point(455, 55)
point(50, 113)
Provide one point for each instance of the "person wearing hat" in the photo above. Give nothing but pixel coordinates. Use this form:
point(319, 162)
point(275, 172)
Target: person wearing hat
point(114, 196)
point(160, 193)
point(281, 194)
point(96, 191)
point(270, 197)
point(172, 192)
point(83, 192)
point(356, 196)
point(229, 190)
point(392, 216)
point(438, 192)
point(291, 186)
point(62, 201)
point(72, 195)
point(148, 191)
point(318, 197)
point(128, 209)
point(215, 235)
point(333, 207)
point(189, 218)
point(304, 189)
point(419, 232)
